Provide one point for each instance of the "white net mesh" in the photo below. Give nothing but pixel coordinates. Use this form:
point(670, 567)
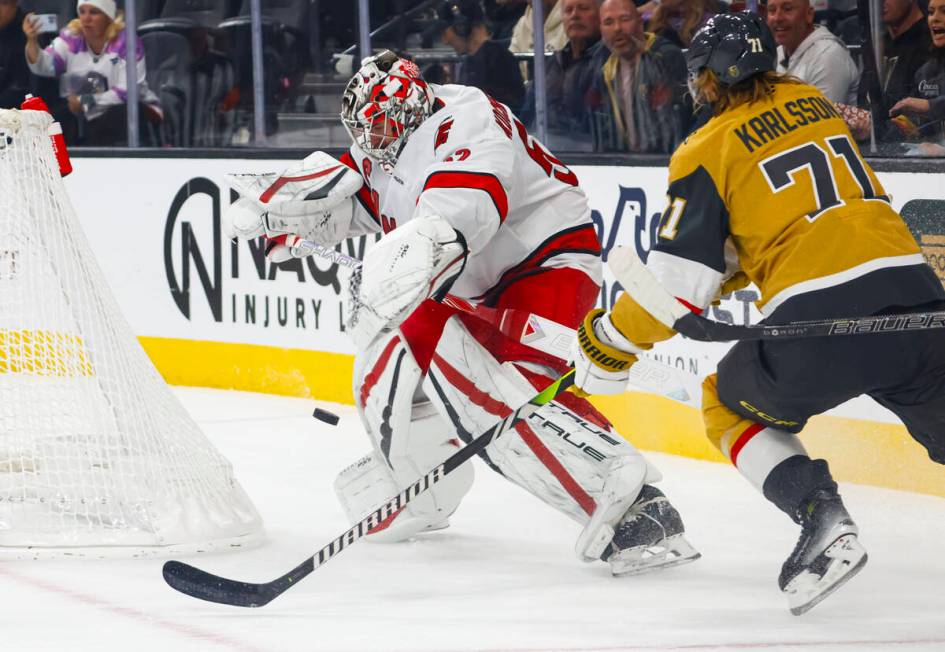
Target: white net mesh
point(95, 451)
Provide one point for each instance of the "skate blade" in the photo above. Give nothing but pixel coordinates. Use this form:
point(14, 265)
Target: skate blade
point(807, 590)
point(670, 552)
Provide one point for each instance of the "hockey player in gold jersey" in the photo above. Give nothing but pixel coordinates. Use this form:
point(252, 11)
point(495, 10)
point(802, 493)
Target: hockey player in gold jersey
point(773, 191)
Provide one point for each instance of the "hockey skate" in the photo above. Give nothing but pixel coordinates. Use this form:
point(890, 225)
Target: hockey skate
point(649, 537)
point(827, 554)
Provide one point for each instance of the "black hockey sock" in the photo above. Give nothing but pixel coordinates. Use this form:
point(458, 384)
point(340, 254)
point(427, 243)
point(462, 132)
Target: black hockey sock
point(797, 477)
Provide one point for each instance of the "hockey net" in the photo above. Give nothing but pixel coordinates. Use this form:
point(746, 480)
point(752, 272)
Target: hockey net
point(97, 456)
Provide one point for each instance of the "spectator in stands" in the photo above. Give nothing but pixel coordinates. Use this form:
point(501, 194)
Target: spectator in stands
point(14, 75)
point(925, 106)
point(485, 64)
point(92, 85)
point(810, 52)
point(571, 74)
point(503, 16)
point(642, 85)
point(523, 37)
point(678, 20)
point(906, 47)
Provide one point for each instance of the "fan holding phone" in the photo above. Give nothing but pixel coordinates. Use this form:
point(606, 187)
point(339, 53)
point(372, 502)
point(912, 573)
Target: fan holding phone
point(88, 58)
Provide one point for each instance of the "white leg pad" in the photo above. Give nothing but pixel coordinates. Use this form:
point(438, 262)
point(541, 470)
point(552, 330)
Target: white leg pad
point(560, 457)
point(409, 435)
point(623, 481)
point(365, 485)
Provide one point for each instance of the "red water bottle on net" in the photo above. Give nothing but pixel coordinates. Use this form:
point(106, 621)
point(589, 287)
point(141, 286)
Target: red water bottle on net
point(55, 134)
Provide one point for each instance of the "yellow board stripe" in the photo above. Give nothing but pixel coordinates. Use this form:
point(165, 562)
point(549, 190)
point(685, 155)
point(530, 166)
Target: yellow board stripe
point(43, 353)
point(253, 368)
point(865, 452)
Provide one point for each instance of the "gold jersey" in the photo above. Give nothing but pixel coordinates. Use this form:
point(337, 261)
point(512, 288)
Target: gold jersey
point(778, 190)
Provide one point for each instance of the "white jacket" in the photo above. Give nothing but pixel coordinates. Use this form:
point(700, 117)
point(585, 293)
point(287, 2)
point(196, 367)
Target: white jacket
point(69, 58)
point(822, 60)
point(523, 36)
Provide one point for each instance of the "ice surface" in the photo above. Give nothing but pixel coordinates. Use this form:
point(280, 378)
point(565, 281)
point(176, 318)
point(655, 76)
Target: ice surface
point(502, 578)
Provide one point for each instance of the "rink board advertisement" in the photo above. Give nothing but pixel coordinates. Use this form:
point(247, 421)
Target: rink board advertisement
point(215, 313)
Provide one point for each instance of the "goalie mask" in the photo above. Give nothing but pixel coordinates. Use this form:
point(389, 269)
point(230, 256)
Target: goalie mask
point(384, 103)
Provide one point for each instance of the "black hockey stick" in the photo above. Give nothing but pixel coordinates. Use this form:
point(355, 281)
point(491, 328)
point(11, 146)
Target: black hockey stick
point(699, 328)
point(213, 588)
point(639, 282)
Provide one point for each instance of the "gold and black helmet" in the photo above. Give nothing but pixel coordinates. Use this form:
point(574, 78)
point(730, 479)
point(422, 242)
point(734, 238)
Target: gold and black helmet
point(733, 46)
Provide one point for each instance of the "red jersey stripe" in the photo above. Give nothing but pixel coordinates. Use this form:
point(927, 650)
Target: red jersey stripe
point(475, 180)
point(579, 239)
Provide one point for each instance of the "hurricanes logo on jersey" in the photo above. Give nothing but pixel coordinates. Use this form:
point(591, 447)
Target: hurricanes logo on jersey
point(442, 133)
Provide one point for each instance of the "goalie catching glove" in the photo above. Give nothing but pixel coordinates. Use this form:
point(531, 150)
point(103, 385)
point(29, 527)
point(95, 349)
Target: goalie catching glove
point(416, 261)
point(313, 200)
point(602, 356)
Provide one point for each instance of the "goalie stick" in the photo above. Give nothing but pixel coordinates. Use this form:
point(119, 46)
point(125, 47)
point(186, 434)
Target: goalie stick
point(213, 588)
point(655, 299)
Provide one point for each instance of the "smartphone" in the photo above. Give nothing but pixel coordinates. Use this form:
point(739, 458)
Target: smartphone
point(47, 23)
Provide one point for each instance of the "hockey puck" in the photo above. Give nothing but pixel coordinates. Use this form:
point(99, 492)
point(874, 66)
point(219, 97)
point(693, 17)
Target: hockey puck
point(326, 416)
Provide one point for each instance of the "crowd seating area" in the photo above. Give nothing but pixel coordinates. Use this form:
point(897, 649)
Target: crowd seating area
point(199, 64)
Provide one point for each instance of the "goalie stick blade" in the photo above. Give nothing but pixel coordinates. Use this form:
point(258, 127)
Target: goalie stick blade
point(206, 586)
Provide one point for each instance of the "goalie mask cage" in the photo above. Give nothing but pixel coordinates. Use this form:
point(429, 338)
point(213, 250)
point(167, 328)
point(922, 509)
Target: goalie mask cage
point(97, 456)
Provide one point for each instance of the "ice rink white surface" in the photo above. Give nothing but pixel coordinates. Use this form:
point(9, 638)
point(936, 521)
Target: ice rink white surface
point(502, 578)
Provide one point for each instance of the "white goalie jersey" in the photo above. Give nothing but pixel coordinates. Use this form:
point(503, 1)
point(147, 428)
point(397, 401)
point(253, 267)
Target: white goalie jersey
point(472, 163)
